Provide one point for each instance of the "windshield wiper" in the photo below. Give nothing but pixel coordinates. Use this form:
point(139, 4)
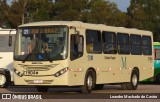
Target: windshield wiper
point(26, 57)
point(48, 57)
point(33, 52)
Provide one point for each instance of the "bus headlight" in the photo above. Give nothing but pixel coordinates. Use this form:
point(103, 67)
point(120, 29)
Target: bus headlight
point(59, 73)
point(18, 73)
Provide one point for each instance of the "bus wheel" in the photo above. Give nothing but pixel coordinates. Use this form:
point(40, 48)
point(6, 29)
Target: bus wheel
point(89, 82)
point(42, 88)
point(133, 84)
point(98, 86)
point(3, 81)
point(124, 86)
point(4, 78)
point(158, 79)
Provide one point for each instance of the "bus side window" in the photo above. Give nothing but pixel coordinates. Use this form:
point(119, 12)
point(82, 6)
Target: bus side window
point(135, 44)
point(76, 50)
point(123, 43)
point(109, 42)
point(146, 45)
point(4, 43)
point(93, 41)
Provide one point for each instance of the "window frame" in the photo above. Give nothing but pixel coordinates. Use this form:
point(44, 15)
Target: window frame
point(146, 45)
point(136, 44)
point(122, 44)
point(77, 45)
point(5, 46)
point(114, 42)
point(100, 38)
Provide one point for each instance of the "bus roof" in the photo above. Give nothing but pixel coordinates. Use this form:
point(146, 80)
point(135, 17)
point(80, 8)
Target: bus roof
point(79, 24)
point(7, 31)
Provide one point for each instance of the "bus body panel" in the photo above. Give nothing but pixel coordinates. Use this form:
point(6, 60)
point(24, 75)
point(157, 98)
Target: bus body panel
point(6, 52)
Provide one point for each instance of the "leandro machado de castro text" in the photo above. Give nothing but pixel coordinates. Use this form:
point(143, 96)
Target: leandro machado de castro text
point(130, 96)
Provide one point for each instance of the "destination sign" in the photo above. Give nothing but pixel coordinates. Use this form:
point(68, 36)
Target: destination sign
point(53, 30)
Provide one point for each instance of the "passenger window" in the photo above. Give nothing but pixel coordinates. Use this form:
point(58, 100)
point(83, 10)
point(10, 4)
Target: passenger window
point(109, 42)
point(4, 43)
point(123, 43)
point(76, 50)
point(146, 45)
point(135, 42)
point(93, 41)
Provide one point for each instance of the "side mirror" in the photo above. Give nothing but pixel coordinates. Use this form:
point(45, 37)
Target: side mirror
point(10, 41)
point(76, 33)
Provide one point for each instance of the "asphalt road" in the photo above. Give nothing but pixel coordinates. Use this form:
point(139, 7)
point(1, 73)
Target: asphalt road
point(73, 94)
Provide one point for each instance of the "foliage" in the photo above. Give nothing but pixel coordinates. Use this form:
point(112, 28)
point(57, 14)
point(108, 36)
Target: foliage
point(68, 10)
point(3, 13)
point(24, 11)
point(92, 11)
point(142, 14)
point(145, 14)
point(103, 12)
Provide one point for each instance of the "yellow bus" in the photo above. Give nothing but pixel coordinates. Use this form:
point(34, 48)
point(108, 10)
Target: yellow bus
point(73, 53)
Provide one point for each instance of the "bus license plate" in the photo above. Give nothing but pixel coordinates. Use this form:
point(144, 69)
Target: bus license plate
point(38, 81)
point(30, 72)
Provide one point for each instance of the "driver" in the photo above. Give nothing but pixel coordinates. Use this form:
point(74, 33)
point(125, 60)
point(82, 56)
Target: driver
point(37, 44)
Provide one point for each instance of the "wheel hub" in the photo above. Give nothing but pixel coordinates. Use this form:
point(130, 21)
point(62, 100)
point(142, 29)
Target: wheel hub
point(134, 80)
point(90, 82)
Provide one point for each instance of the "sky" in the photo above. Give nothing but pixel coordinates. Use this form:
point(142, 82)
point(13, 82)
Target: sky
point(122, 4)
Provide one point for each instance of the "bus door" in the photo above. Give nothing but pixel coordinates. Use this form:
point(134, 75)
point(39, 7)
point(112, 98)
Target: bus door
point(76, 53)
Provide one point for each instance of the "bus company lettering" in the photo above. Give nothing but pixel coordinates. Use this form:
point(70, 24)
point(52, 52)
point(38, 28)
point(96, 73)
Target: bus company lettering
point(109, 57)
point(150, 59)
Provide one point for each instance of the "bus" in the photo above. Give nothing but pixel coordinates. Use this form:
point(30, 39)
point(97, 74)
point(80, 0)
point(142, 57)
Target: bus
point(6, 57)
point(81, 55)
point(157, 62)
point(156, 77)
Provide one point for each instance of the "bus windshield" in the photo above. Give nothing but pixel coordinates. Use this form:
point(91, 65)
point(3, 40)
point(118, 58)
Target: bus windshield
point(41, 43)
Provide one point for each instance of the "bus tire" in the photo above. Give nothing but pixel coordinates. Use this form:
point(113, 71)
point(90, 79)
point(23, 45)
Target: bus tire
point(42, 88)
point(5, 74)
point(158, 79)
point(133, 84)
point(124, 86)
point(99, 87)
point(89, 82)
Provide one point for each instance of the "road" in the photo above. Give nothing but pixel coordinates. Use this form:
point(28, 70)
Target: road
point(73, 94)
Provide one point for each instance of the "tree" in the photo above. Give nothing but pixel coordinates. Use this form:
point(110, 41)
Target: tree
point(24, 11)
point(17, 12)
point(39, 10)
point(3, 13)
point(92, 11)
point(68, 10)
point(145, 14)
point(104, 12)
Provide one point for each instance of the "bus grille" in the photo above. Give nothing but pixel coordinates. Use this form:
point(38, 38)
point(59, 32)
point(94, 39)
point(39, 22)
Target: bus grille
point(38, 67)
